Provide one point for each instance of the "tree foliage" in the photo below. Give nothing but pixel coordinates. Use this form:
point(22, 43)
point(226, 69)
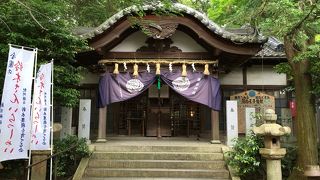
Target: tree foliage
point(297, 24)
point(39, 24)
point(91, 13)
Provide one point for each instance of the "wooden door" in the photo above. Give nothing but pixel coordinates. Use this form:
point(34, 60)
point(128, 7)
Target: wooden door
point(165, 122)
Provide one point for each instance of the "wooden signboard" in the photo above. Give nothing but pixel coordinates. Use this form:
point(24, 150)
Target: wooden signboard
point(251, 99)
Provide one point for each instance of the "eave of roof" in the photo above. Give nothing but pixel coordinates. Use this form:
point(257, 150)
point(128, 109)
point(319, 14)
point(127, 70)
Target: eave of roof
point(273, 48)
point(213, 27)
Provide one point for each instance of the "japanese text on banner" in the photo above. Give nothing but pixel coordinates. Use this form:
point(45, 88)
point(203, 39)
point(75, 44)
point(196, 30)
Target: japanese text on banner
point(40, 134)
point(15, 105)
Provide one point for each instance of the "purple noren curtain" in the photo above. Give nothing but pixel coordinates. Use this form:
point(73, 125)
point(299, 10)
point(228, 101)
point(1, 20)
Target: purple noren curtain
point(195, 87)
point(121, 87)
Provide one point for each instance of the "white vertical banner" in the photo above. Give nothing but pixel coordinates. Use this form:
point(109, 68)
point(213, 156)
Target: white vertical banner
point(15, 105)
point(84, 119)
point(250, 119)
point(41, 116)
point(232, 122)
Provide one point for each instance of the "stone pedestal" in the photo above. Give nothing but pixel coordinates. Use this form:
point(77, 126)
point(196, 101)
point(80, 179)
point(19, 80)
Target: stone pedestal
point(273, 158)
point(312, 172)
point(38, 172)
point(102, 125)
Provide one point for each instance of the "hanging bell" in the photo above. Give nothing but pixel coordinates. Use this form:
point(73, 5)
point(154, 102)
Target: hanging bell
point(116, 69)
point(135, 70)
point(206, 70)
point(158, 69)
point(184, 70)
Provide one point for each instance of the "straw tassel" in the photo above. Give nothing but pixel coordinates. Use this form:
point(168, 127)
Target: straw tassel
point(148, 68)
point(184, 70)
point(135, 70)
point(206, 70)
point(116, 69)
point(158, 69)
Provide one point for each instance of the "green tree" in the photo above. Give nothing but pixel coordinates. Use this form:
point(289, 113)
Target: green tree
point(296, 22)
point(39, 23)
point(92, 13)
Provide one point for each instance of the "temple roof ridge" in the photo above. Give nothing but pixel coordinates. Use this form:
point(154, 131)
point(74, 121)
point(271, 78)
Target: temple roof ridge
point(212, 26)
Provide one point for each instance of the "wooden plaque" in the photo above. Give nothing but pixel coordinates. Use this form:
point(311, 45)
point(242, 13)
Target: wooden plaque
point(252, 99)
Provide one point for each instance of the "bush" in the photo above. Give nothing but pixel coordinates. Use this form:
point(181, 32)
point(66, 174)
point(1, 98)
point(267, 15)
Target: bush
point(67, 162)
point(248, 163)
point(245, 158)
point(14, 169)
point(289, 160)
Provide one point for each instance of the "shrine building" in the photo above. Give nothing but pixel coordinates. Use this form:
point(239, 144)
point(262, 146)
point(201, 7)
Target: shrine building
point(171, 75)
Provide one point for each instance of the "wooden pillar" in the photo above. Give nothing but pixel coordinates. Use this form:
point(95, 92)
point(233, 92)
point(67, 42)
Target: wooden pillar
point(215, 134)
point(159, 124)
point(102, 125)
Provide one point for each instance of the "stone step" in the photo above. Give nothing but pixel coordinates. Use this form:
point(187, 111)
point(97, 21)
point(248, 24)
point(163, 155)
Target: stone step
point(141, 178)
point(211, 148)
point(157, 156)
point(168, 164)
point(153, 172)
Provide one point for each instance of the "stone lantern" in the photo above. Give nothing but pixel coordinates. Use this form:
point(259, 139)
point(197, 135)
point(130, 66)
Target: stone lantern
point(272, 151)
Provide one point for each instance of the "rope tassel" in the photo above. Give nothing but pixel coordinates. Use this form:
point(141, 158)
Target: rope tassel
point(116, 69)
point(135, 70)
point(184, 70)
point(206, 70)
point(158, 69)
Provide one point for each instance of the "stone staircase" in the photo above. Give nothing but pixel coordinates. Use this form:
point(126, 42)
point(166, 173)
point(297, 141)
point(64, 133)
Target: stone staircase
point(156, 162)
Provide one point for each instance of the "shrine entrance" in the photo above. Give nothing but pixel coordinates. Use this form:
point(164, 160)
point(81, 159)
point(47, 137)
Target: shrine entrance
point(148, 115)
point(127, 61)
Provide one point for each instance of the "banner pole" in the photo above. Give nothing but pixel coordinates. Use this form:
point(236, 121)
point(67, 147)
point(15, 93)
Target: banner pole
point(51, 153)
point(23, 47)
point(32, 104)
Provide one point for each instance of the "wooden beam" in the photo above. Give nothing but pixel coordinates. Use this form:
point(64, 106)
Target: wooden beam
point(158, 55)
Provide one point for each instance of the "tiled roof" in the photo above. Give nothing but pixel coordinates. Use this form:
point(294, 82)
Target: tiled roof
point(213, 27)
point(272, 48)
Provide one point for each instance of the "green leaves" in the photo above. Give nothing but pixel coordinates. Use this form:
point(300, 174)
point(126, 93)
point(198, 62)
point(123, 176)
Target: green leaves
point(245, 157)
point(66, 161)
point(46, 29)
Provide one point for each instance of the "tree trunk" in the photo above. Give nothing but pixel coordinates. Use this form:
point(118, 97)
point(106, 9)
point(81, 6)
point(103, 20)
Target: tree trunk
point(306, 121)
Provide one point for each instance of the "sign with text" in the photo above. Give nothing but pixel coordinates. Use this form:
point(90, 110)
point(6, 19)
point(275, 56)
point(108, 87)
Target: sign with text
point(15, 105)
point(232, 122)
point(252, 99)
point(41, 111)
point(84, 118)
point(250, 119)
